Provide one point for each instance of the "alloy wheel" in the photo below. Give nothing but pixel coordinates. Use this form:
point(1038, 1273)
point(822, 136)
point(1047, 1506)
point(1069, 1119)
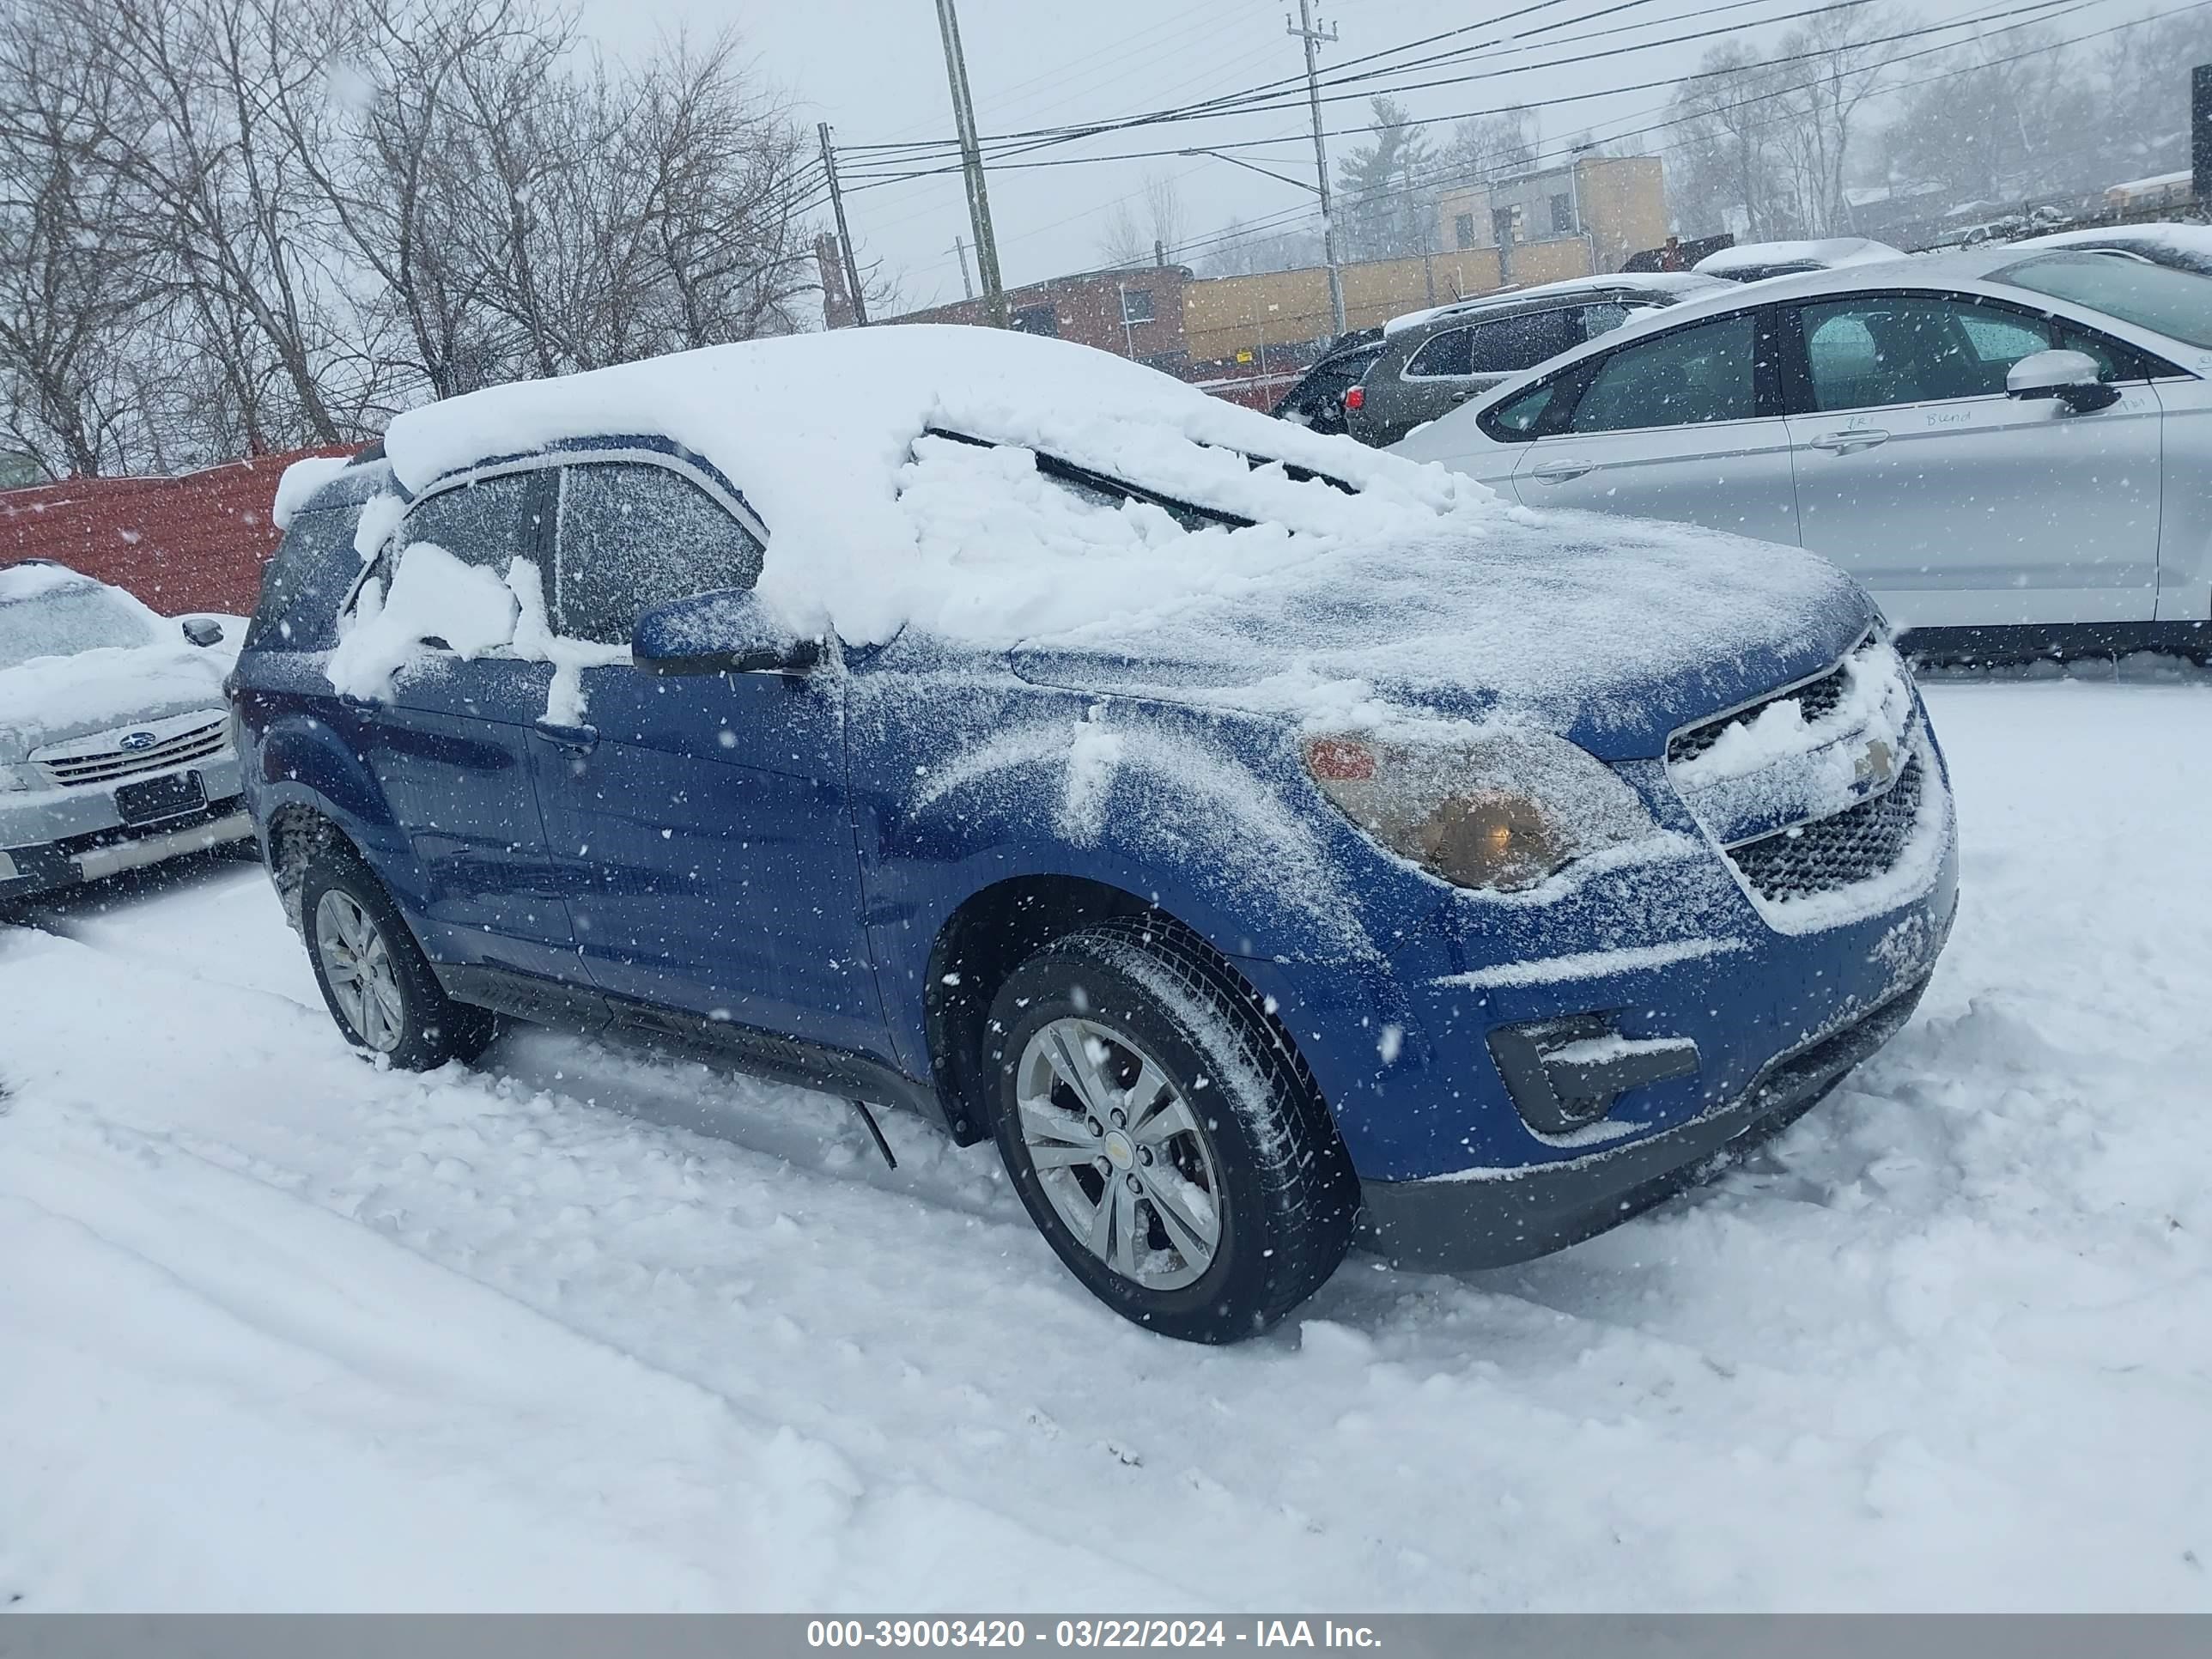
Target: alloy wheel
point(358, 966)
point(1119, 1153)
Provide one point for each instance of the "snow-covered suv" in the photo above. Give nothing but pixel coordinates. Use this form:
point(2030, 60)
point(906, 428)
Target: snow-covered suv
point(1249, 830)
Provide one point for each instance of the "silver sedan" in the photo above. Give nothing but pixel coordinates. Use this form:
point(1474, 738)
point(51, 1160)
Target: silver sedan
point(2010, 445)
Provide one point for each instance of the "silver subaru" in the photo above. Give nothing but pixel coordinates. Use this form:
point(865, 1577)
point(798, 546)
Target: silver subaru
point(115, 744)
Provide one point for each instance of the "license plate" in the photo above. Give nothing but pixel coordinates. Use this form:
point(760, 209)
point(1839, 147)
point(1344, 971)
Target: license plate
point(160, 798)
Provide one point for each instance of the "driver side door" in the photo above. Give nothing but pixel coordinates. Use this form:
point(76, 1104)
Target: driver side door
point(702, 820)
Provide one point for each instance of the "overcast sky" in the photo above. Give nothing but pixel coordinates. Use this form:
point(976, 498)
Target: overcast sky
point(875, 70)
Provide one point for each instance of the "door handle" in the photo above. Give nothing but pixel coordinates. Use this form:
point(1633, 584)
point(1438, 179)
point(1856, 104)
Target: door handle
point(1560, 472)
point(1850, 442)
point(581, 738)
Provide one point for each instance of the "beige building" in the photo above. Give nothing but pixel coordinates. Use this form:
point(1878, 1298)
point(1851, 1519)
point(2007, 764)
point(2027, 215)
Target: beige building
point(1236, 318)
point(1616, 205)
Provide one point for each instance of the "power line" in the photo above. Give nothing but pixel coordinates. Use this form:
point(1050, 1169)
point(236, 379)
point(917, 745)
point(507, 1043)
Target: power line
point(1010, 148)
point(1290, 217)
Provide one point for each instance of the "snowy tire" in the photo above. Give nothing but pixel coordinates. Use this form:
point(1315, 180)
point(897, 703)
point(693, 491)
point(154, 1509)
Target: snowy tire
point(374, 978)
point(1164, 1137)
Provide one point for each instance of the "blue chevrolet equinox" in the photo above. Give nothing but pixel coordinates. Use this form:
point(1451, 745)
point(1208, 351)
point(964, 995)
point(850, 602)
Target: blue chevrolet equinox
point(1268, 843)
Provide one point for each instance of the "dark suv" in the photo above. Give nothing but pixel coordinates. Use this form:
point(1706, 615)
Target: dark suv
point(1249, 831)
point(1434, 361)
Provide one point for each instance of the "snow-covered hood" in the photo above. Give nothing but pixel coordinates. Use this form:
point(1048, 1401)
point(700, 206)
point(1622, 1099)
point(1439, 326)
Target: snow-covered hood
point(51, 699)
point(1613, 633)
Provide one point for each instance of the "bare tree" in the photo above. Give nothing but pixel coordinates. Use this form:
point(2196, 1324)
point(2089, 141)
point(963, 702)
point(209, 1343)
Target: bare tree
point(1151, 226)
point(250, 224)
point(73, 274)
point(1841, 55)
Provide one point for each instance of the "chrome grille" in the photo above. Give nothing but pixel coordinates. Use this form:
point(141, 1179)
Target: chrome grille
point(1815, 701)
point(113, 765)
point(1856, 845)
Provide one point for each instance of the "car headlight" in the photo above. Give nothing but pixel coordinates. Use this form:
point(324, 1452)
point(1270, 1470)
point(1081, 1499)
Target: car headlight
point(1501, 813)
point(19, 777)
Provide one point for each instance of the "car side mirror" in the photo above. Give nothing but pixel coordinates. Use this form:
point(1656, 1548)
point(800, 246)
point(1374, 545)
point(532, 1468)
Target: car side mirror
point(203, 630)
point(730, 632)
point(2069, 376)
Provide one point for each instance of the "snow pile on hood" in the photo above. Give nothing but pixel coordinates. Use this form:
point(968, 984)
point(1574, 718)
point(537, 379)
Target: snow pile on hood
point(1381, 599)
point(1828, 253)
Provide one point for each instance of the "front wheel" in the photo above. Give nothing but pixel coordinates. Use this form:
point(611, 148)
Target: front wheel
point(1162, 1135)
point(374, 978)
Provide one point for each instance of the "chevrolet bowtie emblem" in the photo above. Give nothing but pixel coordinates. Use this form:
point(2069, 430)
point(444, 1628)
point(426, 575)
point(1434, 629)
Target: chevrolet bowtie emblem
point(1877, 764)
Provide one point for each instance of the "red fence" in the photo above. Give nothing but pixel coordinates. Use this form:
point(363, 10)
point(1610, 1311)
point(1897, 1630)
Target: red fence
point(195, 543)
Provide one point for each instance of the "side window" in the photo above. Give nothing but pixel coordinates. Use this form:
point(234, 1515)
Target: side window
point(1602, 318)
point(1513, 343)
point(634, 535)
point(1705, 373)
point(1516, 420)
point(1880, 350)
point(1447, 354)
point(303, 587)
point(487, 523)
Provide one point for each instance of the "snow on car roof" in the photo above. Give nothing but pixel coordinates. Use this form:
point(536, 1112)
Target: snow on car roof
point(1414, 575)
point(814, 430)
point(1828, 253)
point(1679, 284)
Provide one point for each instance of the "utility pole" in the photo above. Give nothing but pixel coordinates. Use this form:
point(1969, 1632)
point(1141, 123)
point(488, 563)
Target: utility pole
point(971, 165)
point(960, 249)
point(844, 236)
point(1314, 38)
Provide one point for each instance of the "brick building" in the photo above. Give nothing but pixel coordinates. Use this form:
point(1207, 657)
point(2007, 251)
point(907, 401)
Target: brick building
point(192, 542)
point(1131, 310)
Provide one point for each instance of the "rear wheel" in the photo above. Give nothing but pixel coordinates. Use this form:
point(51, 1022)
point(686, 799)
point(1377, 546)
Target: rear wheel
point(374, 979)
point(1164, 1138)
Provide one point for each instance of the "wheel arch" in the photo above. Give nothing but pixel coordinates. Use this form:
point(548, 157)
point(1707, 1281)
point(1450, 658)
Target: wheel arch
point(996, 928)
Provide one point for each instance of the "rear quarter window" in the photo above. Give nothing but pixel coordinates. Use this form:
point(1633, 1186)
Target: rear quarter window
point(304, 585)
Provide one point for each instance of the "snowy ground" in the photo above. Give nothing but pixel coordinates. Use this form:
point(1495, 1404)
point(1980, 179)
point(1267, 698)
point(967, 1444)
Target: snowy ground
point(284, 1332)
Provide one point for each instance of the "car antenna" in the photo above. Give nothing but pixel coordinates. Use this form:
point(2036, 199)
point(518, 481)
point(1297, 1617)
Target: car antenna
point(875, 1129)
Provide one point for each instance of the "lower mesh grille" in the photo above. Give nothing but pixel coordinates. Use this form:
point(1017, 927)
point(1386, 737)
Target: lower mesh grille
point(1856, 845)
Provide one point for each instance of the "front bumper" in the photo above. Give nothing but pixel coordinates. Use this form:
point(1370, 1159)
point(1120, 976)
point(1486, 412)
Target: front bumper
point(1496, 1217)
point(25, 870)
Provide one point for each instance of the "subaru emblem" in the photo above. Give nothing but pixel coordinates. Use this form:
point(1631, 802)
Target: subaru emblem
point(137, 740)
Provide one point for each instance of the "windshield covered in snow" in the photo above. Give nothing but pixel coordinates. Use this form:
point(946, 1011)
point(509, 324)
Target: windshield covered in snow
point(64, 621)
point(2176, 303)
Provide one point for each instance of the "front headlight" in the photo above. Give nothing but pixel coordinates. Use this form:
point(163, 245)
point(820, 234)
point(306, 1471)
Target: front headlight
point(1501, 813)
point(20, 777)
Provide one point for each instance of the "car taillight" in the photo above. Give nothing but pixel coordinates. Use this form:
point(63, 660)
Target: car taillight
point(1356, 399)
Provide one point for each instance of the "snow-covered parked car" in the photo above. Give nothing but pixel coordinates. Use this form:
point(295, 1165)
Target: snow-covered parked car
point(1249, 829)
point(1754, 262)
point(115, 749)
